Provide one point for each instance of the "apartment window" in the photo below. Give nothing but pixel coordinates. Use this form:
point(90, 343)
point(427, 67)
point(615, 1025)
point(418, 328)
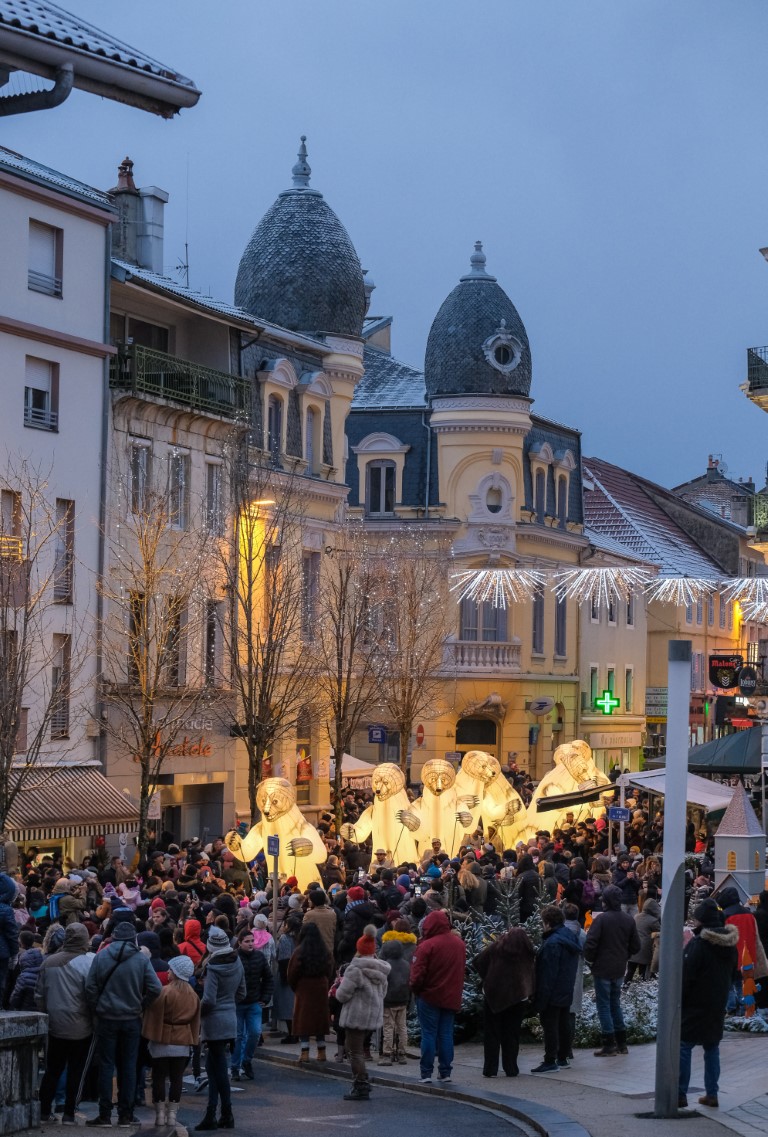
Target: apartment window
point(380, 492)
point(60, 686)
point(137, 638)
point(722, 612)
point(540, 495)
point(45, 255)
point(482, 622)
point(700, 611)
point(212, 662)
point(629, 681)
point(309, 444)
point(310, 583)
point(689, 613)
point(275, 426)
point(594, 677)
point(63, 571)
point(730, 615)
point(178, 489)
point(753, 651)
point(214, 499)
point(562, 501)
point(537, 631)
point(711, 611)
point(594, 611)
point(140, 481)
point(10, 525)
point(148, 335)
point(561, 628)
point(173, 655)
point(41, 394)
point(630, 611)
point(611, 679)
point(611, 609)
point(21, 745)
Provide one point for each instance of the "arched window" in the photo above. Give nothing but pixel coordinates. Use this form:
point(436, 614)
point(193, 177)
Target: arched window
point(275, 426)
point(476, 733)
point(309, 443)
point(562, 501)
point(540, 496)
point(380, 490)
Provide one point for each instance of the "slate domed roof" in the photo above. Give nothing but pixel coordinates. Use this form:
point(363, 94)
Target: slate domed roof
point(477, 343)
point(300, 269)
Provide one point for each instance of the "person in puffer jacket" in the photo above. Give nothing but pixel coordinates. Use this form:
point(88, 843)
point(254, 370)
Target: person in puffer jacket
point(60, 992)
point(9, 929)
point(437, 980)
point(395, 1002)
point(23, 994)
point(361, 993)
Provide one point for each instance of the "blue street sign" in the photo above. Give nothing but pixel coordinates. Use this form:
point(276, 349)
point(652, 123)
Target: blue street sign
point(273, 846)
point(618, 813)
point(377, 734)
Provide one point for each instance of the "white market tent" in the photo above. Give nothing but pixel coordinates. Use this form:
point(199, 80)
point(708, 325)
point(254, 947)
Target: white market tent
point(353, 769)
point(700, 791)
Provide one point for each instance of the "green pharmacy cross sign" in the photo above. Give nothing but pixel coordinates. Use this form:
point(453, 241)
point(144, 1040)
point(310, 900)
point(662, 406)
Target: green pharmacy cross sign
point(607, 702)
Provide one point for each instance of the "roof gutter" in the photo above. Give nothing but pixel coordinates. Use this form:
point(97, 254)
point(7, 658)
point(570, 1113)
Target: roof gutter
point(64, 78)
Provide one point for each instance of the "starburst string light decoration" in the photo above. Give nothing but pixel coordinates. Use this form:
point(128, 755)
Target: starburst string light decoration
point(754, 611)
point(748, 590)
point(680, 590)
point(499, 586)
point(600, 587)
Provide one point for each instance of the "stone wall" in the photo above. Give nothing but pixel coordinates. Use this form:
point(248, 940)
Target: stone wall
point(21, 1034)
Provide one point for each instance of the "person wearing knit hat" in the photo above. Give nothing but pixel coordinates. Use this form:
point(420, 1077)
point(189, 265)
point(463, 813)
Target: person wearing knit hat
point(218, 941)
point(61, 995)
point(171, 1026)
point(223, 988)
point(356, 894)
point(361, 993)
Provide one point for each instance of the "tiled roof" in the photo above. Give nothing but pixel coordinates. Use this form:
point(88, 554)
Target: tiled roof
point(26, 168)
point(47, 21)
point(387, 383)
point(178, 291)
point(739, 819)
point(619, 508)
point(609, 545)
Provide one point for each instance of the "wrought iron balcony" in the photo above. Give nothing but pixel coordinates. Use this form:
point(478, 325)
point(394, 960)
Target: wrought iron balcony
point(757, 368)
point(481, 656)
point(144, 371)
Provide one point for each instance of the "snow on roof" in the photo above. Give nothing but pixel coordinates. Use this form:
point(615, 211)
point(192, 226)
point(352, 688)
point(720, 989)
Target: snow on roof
point(739, 819)
point(388, 383)
point(35, 171)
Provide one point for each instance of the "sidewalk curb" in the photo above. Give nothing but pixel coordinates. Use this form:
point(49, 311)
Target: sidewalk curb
point(547, 1122)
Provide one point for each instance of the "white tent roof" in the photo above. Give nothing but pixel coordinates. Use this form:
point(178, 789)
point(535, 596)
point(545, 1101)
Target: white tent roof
point(700, 791)
point(354, 767)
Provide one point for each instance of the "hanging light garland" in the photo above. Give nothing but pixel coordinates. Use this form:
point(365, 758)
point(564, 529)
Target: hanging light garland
point(754, 611)
point(680, 590)
point(747, 590)
point(601, 587)
point(499, 586)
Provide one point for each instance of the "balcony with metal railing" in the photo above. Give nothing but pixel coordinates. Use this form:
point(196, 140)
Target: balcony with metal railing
point(146, 372)
point(481, 657)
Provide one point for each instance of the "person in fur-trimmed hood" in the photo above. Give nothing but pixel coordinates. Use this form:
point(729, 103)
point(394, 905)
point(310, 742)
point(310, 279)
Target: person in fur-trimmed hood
point(710, 962)
point(361, 993)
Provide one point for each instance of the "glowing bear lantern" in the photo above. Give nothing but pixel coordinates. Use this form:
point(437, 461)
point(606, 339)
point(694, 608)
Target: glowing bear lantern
point(438, 808)
point(389, 819)
point(574, 771)
point(301, 847)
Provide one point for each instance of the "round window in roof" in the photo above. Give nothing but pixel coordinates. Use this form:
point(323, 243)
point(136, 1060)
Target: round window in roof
point(503, 350)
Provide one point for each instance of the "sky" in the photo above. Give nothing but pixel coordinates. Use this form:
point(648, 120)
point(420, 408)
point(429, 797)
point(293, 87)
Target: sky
point(612, 157)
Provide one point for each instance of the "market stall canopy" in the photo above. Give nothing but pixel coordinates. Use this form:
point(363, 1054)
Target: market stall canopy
point(56, 802)
point(711, 796)
point(737, 753)
point(353, 769)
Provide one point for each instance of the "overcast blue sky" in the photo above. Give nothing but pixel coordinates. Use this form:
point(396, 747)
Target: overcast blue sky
point(611, 154)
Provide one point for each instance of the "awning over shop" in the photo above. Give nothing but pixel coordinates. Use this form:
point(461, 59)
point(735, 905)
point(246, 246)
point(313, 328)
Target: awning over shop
point(57, 802)
point(710, 795)
point(734, 754)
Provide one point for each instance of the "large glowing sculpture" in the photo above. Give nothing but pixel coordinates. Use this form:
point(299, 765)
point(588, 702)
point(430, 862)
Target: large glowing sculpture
point(282, 818)
point(442, 815)
point(390, 818)
point(574, 771)
point(483, 790)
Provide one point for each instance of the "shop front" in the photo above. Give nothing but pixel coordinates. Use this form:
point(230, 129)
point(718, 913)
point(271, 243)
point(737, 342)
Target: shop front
point(619, 746)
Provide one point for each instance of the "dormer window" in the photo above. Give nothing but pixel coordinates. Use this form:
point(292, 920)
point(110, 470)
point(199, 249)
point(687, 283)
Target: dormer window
point(540, 496)
point(275, 426)
point(380, 490)
point(503, 350)
point(381, 461)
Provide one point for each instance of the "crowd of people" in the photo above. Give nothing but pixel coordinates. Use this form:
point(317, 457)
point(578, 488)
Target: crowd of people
point(146, 969)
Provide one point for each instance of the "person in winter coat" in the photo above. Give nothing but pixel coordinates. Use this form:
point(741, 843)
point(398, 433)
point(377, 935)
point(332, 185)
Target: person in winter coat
point(627, 881)
point(150, 942)
point(283, 1001)
point(258, 991)
point(571, 914)
point(506, 967)
point(192, 945)
point(742, 919)
point(557, 964)
point(361, 993)
point(9, 929)
point(647, 922)
point(223, 988)
point(611, 940)
point(527, 886)
point(710, 961)
point(71, 901)
point(121, 982)
point(23, 993)
point(359, 912)
point(60, 993)
point(172, 1027)
point(437, 981)
point(324, 916)
point(310, 971)
point(761, 921)
point(396, 1000)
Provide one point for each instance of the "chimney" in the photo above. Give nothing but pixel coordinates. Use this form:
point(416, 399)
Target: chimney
point(137, 235)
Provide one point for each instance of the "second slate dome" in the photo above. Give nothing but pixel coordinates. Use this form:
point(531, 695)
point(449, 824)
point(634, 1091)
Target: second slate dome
point(300, 269)
point(477, 343)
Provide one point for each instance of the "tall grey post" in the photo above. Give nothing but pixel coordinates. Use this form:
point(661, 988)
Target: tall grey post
point(673, 880)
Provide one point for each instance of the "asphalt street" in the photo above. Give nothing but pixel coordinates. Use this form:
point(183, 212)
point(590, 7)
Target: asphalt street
point(286, 1103)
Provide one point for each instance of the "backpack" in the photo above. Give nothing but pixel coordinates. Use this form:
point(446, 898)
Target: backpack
point(588, 892)
point(53, 905)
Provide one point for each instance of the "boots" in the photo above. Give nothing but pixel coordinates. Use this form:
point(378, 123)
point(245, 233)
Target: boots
point(208, 1122)
point(171, 1111)
point(621, 1042)
point(304, 1056)
point(321, 1056)
point(609, 1048)
point(160, 1113)
point(226, 1121)
point(361, 1091)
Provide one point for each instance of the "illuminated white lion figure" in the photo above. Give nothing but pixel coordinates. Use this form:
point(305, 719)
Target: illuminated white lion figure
point(380, 819)
point(281, 818)
point(574, 770)
point(438, 809)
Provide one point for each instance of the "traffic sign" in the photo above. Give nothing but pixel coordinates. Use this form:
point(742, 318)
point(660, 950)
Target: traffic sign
point(377, 734)
point(420, 735)
point(273, 846)
point(618, 813)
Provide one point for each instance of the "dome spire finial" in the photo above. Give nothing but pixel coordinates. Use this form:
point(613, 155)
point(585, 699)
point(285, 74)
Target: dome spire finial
point(302, 170)
point(477, 265)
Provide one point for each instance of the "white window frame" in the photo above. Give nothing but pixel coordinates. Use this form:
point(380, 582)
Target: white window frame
point(629, 688)
point(179, 469)
point(214, 497)
point(140, 459)
point(44, 259)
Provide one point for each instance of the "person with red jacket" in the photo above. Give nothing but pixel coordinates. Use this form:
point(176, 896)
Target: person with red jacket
point(437, 981)
point(192, 945)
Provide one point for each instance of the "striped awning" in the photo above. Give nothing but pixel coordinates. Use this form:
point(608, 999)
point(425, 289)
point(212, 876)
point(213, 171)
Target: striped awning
point(57, 802)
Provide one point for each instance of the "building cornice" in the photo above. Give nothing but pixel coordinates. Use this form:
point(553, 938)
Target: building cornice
point(58, 199)
point(57, 339)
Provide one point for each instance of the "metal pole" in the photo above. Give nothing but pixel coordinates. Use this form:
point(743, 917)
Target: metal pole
point(763, 772)
point(673, 881)
point(622, 799)
point(275, 891)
